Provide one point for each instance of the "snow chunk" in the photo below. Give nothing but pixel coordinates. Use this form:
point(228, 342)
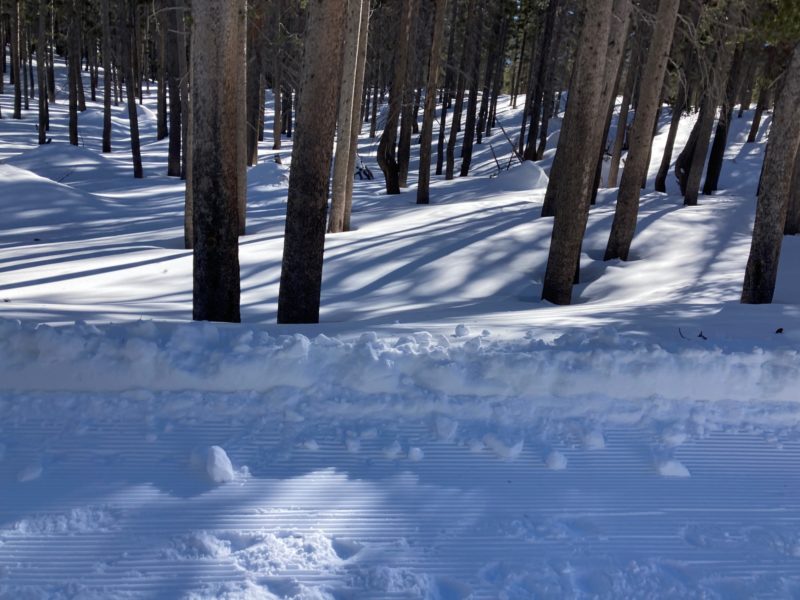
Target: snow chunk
point(461, 331)
point(594, 440)
point(673, 468)
point(556, 461)
point(311, 445)
point(393, 450)
point(214, 462)
point(501, 449)
point(416, 454)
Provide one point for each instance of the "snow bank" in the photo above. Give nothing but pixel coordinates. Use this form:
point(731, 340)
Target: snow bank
point(222, 358)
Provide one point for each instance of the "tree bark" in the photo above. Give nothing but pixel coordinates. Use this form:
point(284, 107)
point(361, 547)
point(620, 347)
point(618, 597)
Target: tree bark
point(218, 38)
point(16, 58)
point(387, 146)
point(41, 69)
point(793, 216)
point(301, 269)
point(627, 209)
point(130, 89)
point(361, 67)
point(472, 105)
point(622, 125)
point(347, 92)
point(426, 138)
point(255, 78)
point(105, 21)
point(779, 160)
point(576, 149)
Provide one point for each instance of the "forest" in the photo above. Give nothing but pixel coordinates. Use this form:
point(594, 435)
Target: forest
point(441, 299)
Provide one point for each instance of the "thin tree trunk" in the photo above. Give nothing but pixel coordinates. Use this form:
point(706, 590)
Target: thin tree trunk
point(627, 208)
point(41, 69)
point(347, 92)
point(577, 149)
point(130, 90)
point(255, 79)
point(361, 67)
point(387, 147)
point(301, 269)
point(714, 169)
point(16, 60)
point(434, 68)
point(622, 125)
point(779, 160)
point(763, 102)
point(472, 104)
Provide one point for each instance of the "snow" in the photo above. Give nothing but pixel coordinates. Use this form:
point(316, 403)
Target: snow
point(441, 434)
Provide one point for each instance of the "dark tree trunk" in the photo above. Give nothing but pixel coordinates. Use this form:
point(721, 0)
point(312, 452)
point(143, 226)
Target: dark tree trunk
point(426, 138)
point(721, 135)
point(541, 75)
point(448, 88)
point(472, 104)
point(16, 58)
point(627, 208)
point(41, 68)
point(130, 90)
point(576, 149)
point(255, 79)
point(301, 270)
point(761, 106)
point(387, 147)
point(773, 199)
point(217, 69)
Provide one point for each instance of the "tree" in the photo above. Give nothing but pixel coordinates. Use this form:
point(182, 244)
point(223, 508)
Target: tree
point(129, 51)
point(304, 239)
point(387, 146)
point(426, 137)
point(773, 199)
point(347, 93)
point(577, 151)
point(627, 209)
point(217, 63)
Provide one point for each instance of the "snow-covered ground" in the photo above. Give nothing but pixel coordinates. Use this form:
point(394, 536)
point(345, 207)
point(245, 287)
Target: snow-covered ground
point(441, 434)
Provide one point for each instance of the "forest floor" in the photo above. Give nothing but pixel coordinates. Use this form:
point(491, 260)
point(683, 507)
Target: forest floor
point(443, 433)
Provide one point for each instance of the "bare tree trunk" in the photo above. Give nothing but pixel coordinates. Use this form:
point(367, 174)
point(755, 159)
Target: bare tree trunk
point(255, 79)
point(426, 139)
point(16, 58)
point(622, 125)
point(361, 68)
point(779, 160)
point(387, 147)
point(106, 33)
point(347, 92)
point(761, 106)
point(407, 110)
point(175, 55)
point(277, 95)
point(217, 65)
point(714, 169)
point(130, 89)
point(41, 69)
point(73, 67)
point(448, 85)
point(577, 149)
point(472, 105)
point(301, 269)
point(675, 121)
point(793, 216)
point(627, 209)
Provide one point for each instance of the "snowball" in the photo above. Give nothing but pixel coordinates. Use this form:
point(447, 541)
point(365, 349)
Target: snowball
point(393, 450)
point(594, 440)
point(415, 454)
point(462, 330)
point(501, 449)
point(311, 445)
point(556, 461)
point(214, 462)
point(673, 468)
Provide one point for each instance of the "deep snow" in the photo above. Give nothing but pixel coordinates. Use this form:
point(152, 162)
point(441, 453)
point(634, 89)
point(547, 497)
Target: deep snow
point(442, 434)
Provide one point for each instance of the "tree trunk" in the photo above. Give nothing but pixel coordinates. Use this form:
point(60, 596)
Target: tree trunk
point(277, 96)
point(458, 108)
point(714, 169)
point(472, 104)
point(448, 88)
point(426, 139)
point(106, 33)
point(576, 149)
point(387, 147)
point(41, 64)
point(347, 92)
point(130, 89)
point(779, 160)
point(16, 58)
point(304, 240)
point(361, 67)
point(218, 52)
point(255, 79)
point(675, 121)
point(793, 216)
point(541, 75)
point(162, 129)
point(627, 209)
point(622, 125)
point(73, 67)
point(761, 106)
